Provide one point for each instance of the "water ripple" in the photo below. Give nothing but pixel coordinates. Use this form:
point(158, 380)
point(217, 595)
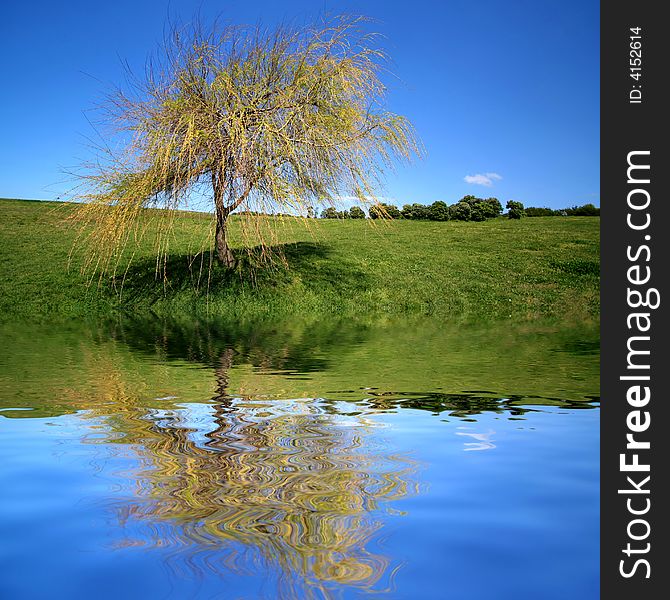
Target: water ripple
point(281, 485)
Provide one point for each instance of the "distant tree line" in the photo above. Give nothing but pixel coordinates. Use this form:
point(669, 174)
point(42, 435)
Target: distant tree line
point(586, 210)
point(354, 212)
point(468, 208)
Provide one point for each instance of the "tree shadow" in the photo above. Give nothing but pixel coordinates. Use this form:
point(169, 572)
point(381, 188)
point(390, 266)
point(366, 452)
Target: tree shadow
point(258, 268)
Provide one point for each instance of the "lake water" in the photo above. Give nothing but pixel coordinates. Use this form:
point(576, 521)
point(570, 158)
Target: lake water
point(185, 459)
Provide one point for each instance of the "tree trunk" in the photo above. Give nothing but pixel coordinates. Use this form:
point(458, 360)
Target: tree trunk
point(223, 253)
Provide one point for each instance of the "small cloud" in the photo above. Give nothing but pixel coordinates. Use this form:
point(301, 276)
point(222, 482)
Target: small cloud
point(486, 179)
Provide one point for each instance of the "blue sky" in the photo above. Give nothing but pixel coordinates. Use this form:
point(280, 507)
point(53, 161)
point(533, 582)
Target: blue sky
point(504, 94)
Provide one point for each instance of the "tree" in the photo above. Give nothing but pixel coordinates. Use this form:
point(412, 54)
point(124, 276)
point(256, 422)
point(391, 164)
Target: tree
point(355, 212)
point(415, 211)
point(587, 210)
point(263, 119)
point(438, 211)
point(493, 208)
point(383, 210)
point(533, 211)
point(392, 211)
point(515, 209)
point(376, 212)
point(478, 211)
point(330, 213)
point(461, 211)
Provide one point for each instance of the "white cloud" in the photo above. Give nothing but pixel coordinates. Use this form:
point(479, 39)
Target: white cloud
point(486, 179)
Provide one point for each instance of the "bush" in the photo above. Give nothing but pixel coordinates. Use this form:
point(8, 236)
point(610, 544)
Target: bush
point(416, 212)
point(460, 211)
point(587, 210)
point(471, 208)
point(493, 208)
point(478, 211)
point(515, 210)
point(533, 211)
point(331, 213)
point(382, 210)
point(438, 211)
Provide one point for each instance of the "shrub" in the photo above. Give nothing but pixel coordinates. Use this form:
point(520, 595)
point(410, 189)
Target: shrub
point(533, 211)
point(478, 211)
point(515, 209)
point(493, 208)
point(331, 213)
point(461, 211)
point(438, 211)
point(382, 210)
point(415, 212)
point(587, 210)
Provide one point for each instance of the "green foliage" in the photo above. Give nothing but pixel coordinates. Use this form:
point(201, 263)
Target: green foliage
point(533, 211)
point(356, 212)
point(376, 212)
point(333, 213)
point(493, 208)
point(384, 211)
point(270, 120)
point(515, 209)
point(416, 212)
point(469, 208)
point(587, 210)
point(481, 209)
point(478, 211)
point(461, 211)
point(438, 211)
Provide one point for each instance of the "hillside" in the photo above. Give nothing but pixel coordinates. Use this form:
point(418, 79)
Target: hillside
point(453, 271)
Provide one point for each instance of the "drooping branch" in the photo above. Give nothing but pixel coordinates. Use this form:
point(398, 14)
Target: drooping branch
point(272, 120)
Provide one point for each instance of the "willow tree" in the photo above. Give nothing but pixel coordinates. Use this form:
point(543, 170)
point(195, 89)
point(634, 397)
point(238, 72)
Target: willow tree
point(266, 120)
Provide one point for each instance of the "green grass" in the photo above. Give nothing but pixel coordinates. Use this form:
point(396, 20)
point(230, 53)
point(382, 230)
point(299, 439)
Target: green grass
point(453, 271)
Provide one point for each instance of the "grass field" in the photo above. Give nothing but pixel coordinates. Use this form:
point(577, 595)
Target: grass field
point(453, 271)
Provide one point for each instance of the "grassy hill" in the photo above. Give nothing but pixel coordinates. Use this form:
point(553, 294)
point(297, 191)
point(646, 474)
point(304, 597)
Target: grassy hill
point(454, 271)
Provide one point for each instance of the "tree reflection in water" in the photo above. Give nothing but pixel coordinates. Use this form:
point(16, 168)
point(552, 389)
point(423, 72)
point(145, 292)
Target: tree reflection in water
point(288, 488)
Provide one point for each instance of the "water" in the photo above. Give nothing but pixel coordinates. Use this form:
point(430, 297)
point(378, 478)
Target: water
point(181, 459)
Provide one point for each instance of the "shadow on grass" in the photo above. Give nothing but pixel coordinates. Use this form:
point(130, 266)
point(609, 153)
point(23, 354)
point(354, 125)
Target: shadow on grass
point(311, 264)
